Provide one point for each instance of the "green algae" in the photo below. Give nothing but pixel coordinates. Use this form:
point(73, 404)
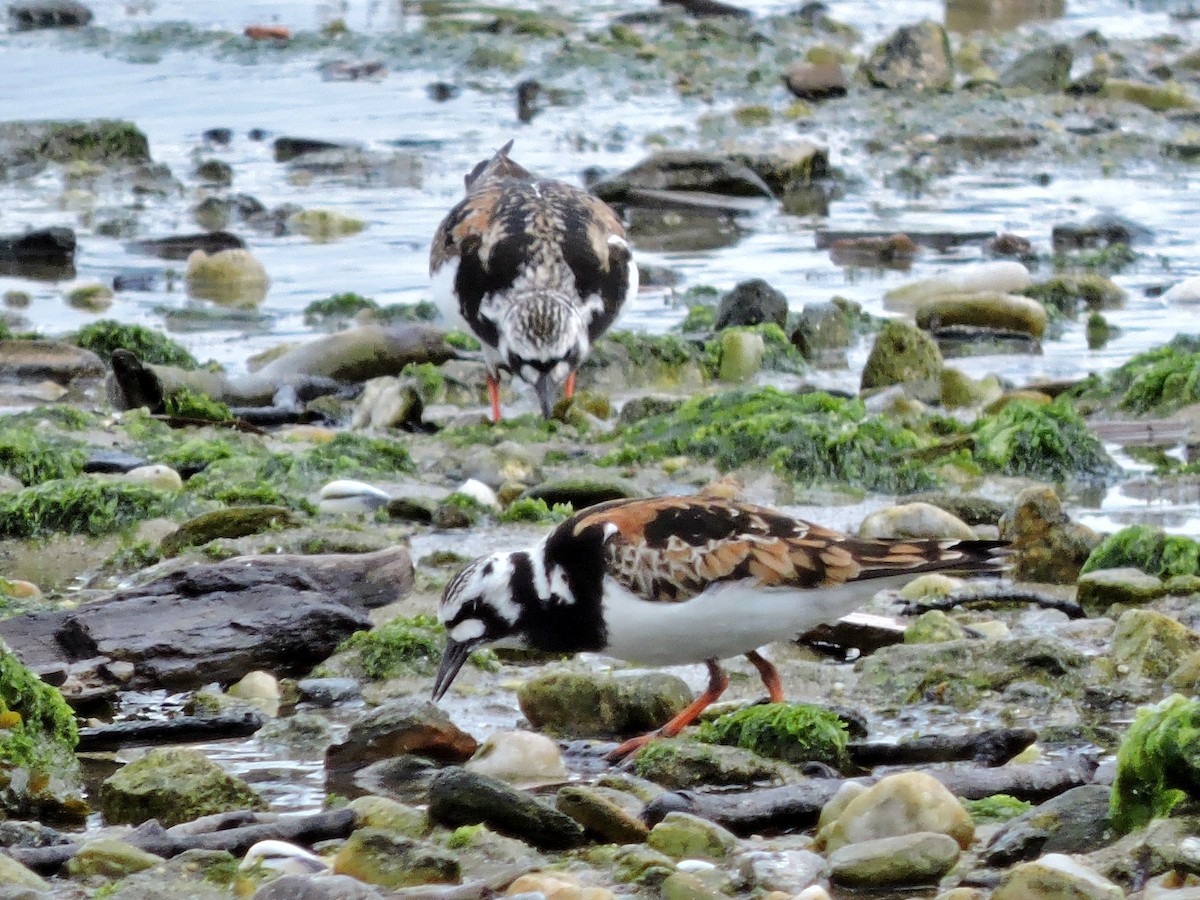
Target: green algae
point(147, 344)
point(996, 808)
point(813, 438)
point(1048, 441)
point(1147, 548)
point(184, 403)
point(337, 308)
point(34, 457)
point(1158, 764)
point(534, 509)
point(67, 418)
point(1157, 382)
point(37, 727)
point(793, 732)
point(780, 355)
point(81, 505)
point(401, 645)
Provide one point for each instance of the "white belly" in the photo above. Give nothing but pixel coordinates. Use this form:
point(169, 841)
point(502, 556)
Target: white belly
point(726, 620)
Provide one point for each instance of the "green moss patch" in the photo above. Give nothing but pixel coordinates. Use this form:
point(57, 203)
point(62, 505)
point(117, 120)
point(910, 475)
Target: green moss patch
point(37, 728)
point(996, 808)
point(814, 438)
point(33, 457)
point(1150, 549)
point(794, 732)
point(530, 509)
point(1158, 765)
point(1157, 382)
point(80, 505)
point(402, 645)
point(1048, 441)
point(779, 354)
point(188, 404)
point(149, 345)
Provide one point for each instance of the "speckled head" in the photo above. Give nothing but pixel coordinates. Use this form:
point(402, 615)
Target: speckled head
point(495, 169)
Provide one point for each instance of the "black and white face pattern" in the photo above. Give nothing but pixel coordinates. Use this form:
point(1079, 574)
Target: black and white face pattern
point(477, 608)
point(541, 334)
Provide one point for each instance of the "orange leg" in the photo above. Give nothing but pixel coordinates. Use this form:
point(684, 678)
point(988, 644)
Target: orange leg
point(494, 396)
point(717, 682)
point(770, 676)
point(570, 391)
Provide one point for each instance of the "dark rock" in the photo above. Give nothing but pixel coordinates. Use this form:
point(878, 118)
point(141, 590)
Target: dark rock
point(181, 246)
point(288, 148)
point(684, 171)
point(599, 705)
point(34, 144)
point(326, 692)
point(281, 613)
point(914, 57)
point(530, 100)
point(752, 302)
point(896, 251)
point(823, 332)
point(1073, 822)
point(1008, 244)
point(816, 81)
point(133, 385)
point(218, 137)
point(1044, 70)
point(441, 91)
point(313, 887)
point(341, 70)
point(47, 253)
point(941, 241)
point(989, 144)
point(407, 726)
point(460, 797)
point(136, 281)
point(215, 171)
point(958, 341)
point(650, 275)
point(1046, 545)
point(54, 360)
point(1100, 231)
point(112, 461)
point(49, 14)
point(409, 510)
point(704, 9)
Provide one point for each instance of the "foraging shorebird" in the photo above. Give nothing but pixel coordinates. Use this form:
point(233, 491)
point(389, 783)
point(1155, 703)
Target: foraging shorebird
point(676, 580)
point(536, 269)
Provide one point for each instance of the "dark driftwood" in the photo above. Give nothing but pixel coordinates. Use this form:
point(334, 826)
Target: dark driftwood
point(179, 730)
point(798, 806)
point(153, 838)
point(996, 594)
point(994, 747)
point(215, 622)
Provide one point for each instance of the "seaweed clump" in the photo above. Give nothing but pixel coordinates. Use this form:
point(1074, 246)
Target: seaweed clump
point(1150, 549)
point(33, 457)
point(1158, 764)
point(79, 506)
point(1157, 382)
point(1048, 441)
point(401, 645)
point(148, 345)
point(814, 438)
point(794, 732)
point(37, 727)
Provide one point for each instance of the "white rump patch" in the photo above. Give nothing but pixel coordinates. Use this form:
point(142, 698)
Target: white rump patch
point(441, 288)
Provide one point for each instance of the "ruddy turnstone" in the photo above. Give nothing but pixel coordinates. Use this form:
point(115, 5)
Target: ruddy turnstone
point(536, 269)
point(675, 580)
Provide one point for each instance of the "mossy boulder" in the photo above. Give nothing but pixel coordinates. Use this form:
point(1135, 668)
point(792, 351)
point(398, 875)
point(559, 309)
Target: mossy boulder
point(1047, 546)
point(39, 774)
point(1157, 382)
point(933, 627)
point(586, 705)
point(1099, 589)
point(996, 311)
point(103, 141)
point(678, 763)
point(1150, 645)
point(903, 354)
point(793, 732)
point(1147, 548)
point(683, 836)
point(110, 858)
point(1048, 441)
point(914, 57)
point(1158, 764)
point(173, 785)
point(813, 438)
point(403, 645)
point(90, 297)
point(1069, 292)
point(233, 522)
point(148, 344)
point(232, 277)
point(622, 359)
point(392, 860)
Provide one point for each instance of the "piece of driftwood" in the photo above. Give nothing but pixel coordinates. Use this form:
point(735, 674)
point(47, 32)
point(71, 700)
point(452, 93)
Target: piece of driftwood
point(797, 806)
point(996, 594)
point(993, 747)
point(178, 730)
point(153, 838)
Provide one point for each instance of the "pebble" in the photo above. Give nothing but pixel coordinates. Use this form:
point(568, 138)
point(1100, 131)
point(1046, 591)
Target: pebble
point(519, 757)
point(479, 492)
point(346, 496)
point(897, 805)
point(164, 478)
point(557, 886)
point(1187, 291)
point(685, 836)
point(908, 859)
point(1052, 876)
point(914, 520)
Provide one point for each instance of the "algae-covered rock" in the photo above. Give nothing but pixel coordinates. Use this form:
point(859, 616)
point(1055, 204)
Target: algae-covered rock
point(609, 815)
point(1099, 589)
point(324, 225)
point(812, 438)
point(371, 811)
point(110, 858)
point(589, 705)
point(397, 727)
point(915, 57)
point(580, 493)
point(90, 297)
point(394, 861)
point(1148, 644)
point(684, 836)
point(823, 331)
point(1156, 382)
point(914, 520)
point(905, 803)
point(622, 359)
point(908, 859)
point(960, 390)
point(1069, 292)
point(741, 355)
point(676, 763)
point(1156, 97)
point(173, 785)
point(934, 627)
point(903, 354)
point(1149, 549)
point(39, 774)
point(1056, 875)
point(228, 276)
point(103, 141)
point(1046, 545)
point(232, 522)
point(1158, 764)
point(403, 645)
point(1073, 822)
point(793, 732)
point(1048, 441)
point(1003, 312)
point(83, 505)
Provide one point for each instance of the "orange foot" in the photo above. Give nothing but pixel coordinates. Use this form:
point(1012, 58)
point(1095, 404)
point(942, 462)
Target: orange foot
point(717, 682)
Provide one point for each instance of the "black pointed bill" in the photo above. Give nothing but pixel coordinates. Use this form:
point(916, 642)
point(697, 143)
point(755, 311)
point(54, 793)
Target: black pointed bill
point(453, 657)
point(547, 392)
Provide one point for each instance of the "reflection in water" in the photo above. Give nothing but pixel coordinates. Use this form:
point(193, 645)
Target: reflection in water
point(998, 15)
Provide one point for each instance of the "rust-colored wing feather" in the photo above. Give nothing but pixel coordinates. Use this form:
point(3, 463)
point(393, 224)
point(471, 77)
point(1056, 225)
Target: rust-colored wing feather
point(671, 549)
